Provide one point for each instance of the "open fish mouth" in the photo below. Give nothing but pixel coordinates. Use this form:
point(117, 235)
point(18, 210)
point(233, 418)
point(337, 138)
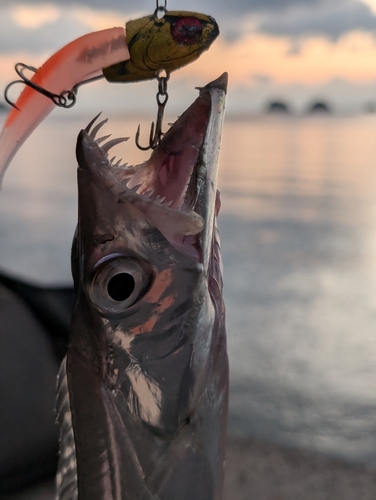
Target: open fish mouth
point(175, 188)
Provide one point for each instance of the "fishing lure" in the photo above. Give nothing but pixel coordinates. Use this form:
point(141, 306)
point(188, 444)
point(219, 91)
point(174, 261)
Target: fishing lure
point(149, 47)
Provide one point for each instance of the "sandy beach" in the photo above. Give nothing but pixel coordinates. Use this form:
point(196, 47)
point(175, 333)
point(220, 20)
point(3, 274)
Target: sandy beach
point(261, 471)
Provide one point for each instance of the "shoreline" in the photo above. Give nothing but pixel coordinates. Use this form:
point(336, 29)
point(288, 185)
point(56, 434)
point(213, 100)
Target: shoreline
point(263, 471)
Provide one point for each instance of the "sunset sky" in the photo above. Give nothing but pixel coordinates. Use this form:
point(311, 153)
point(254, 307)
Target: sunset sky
point(296, 50)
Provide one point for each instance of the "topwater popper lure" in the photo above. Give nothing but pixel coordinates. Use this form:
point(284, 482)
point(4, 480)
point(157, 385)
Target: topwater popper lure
point(145, 48)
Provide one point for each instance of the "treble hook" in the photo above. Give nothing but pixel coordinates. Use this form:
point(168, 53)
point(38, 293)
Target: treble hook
point(65, 99)
point(156, 128)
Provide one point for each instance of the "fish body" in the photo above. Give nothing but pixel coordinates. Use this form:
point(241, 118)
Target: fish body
point(143, 391)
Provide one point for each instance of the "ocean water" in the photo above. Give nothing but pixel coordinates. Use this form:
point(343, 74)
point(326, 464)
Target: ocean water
point(298, 229)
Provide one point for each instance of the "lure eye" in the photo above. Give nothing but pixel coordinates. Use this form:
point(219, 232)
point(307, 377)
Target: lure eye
point(117, 285)
point(186, 31)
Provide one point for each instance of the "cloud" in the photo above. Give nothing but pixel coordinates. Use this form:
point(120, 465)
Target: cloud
point(230, 14)
point(293, 18)
point(235, 6)
point(232, 9)
point(16, 36)
point(261, 79)
point(332, 21)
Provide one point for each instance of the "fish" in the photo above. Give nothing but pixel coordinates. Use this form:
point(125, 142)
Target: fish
point(139, 52)
point(142, 395)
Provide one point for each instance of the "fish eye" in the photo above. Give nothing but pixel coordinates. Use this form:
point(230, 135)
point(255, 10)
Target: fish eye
point(117, 285)
point(186, 31)
point(121, 286)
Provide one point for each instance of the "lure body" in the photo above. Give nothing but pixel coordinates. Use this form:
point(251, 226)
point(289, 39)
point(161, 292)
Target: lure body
point(169, 43)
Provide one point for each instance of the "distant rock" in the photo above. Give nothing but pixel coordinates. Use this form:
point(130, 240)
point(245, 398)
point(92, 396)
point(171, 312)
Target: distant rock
point(3, 107)
point(319, 107)
point(370, 107)
point(278, 107)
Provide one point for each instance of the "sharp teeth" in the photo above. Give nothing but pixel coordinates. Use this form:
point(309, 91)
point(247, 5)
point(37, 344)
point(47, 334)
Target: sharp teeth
point(117, 164)
point(112, 159)
point(110, 144)
point(123, 184)
point(87, 129)
point(97, 127)
point(124, 166)
point(170, 203)
point(159, 199)
point(135, 188)
point(101, 139)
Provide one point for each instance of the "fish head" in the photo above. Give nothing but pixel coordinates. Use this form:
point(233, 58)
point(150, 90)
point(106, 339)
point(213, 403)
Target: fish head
point(147, 364)
point(167, 43)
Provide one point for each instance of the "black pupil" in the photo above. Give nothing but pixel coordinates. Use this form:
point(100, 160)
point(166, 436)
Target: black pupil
point(121, 286)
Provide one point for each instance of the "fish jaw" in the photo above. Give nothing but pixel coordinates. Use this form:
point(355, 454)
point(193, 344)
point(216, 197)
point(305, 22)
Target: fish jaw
point(176, 189)
point(147, 368)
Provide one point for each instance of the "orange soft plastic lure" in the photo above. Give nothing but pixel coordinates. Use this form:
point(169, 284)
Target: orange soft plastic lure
point(146, 47)
point(81, 59)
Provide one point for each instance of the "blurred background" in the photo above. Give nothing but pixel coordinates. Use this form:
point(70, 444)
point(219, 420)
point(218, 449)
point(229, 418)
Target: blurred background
point(298, 183)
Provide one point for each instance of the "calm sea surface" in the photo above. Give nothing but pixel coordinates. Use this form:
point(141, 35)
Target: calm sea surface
point(298, 227)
